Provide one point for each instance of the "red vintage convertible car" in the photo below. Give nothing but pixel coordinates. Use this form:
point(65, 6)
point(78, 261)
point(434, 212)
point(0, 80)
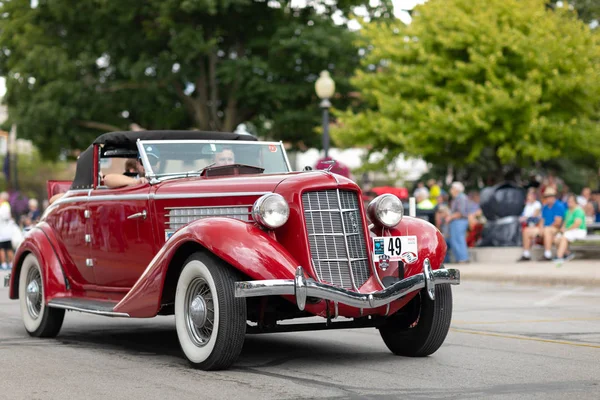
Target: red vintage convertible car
point(225, 236)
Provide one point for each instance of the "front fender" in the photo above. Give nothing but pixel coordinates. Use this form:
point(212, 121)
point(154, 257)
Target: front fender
point(244, 246)
point(53, 277)
point(430, 241)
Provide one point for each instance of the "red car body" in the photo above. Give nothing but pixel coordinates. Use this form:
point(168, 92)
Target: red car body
point(110, 252)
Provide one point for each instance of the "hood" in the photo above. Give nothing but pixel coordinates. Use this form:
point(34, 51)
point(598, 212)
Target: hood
point(253, 183)
point(238, 183)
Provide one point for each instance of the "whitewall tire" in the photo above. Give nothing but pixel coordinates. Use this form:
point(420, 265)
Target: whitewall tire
point(210, 320)
point(39, 319)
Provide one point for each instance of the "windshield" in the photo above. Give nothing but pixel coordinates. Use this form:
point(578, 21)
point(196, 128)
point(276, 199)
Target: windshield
point(163, 158)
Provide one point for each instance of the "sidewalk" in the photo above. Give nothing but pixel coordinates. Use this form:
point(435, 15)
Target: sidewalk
point(575, 272)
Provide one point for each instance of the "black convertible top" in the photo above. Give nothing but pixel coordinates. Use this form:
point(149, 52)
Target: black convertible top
point(127, 140)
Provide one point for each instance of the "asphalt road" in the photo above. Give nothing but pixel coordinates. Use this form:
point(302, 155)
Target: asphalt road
point(506, 342)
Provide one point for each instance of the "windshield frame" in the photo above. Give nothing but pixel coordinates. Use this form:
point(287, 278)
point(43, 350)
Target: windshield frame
point(153, 178)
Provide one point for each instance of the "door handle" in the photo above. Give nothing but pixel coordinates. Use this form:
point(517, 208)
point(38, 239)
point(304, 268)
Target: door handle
point(141, 215)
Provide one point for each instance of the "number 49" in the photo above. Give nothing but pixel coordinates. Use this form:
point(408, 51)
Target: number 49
point(395, 246)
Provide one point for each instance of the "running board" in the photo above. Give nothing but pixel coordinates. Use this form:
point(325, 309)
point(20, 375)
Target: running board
point(98, 307)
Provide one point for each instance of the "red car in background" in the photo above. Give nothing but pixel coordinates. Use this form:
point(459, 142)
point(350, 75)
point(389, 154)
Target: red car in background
point(230, 248)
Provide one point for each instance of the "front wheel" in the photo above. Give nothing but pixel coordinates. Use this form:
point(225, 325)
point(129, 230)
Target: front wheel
point(422, 330)
point(39, 319)
point(210, 320)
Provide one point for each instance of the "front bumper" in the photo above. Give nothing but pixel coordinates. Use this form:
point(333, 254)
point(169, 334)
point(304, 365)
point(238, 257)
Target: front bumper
point(301, 288)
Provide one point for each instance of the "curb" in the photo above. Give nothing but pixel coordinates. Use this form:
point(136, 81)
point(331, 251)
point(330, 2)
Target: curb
point(524, 279)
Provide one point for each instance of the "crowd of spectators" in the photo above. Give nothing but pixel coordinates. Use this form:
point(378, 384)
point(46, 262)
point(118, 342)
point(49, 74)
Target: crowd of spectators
point(553, 219)
point(550, 217)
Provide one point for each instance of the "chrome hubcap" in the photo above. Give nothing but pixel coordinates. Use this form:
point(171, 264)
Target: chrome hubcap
point(199, 311)
point(34, 293)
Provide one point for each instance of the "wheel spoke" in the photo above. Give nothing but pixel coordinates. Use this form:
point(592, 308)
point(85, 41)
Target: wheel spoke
point(199, 310)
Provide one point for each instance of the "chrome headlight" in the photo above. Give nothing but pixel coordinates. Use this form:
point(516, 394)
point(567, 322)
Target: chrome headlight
point(271, 211)
point(386, 210)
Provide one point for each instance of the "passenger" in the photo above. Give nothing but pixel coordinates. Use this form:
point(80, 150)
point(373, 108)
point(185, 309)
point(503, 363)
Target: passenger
point(225, 157)
point(131, 168)
point(120, 180)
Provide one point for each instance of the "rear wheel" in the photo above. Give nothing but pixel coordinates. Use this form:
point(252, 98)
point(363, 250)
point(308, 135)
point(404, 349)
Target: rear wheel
point(420, 333)
point(39, 319)
point(210, 320)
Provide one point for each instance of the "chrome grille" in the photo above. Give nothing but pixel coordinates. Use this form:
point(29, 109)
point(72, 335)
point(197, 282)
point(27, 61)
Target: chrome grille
point(180, 216)
point(336, 237)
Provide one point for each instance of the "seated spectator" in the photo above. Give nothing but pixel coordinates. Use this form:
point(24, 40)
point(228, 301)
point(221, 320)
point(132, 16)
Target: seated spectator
point(574, 229)
point(596, 204)
point(548, 227)
point(475, 218)
point(532, 213)
point(422, 199)
point(585, 197)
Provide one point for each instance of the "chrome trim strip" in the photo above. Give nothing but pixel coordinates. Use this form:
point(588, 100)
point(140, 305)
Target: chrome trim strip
point(204, 215)
point(111, 197)
point(205, 195)
point(194, 207)
point(145, 161)
point(285, 156)
point(302, 288)
point(334, 210)
point(342, 259)
point(88, 311)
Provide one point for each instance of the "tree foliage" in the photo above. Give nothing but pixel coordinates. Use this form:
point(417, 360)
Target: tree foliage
point(512, 83)
point(75, 69)
point(587, 10)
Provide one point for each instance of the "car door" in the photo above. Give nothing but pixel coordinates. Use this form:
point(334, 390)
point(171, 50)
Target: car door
point(72, 227)
point(122, 241)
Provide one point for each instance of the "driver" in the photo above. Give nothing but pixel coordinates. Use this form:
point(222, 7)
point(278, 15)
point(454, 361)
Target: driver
point(119, 180)
point(225, 157)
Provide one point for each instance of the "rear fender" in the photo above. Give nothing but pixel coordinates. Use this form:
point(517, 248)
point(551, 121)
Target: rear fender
point(430, 242)
point(37, 243)
point(244, 246)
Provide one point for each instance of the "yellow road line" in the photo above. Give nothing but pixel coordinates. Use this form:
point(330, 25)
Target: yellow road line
point(506, 336)
point(523, 321)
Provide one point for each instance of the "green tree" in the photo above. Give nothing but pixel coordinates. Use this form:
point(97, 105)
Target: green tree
point(481, 88)
point(587, 10)
point(75, 69)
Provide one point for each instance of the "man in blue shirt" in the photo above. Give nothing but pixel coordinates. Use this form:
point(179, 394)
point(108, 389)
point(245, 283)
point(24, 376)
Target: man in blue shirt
point(553, 214)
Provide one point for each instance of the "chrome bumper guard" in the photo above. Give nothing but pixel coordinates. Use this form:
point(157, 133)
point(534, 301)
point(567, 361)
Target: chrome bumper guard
point(301, 288)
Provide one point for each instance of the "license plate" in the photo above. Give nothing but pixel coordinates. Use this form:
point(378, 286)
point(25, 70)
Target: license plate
point(396, 248)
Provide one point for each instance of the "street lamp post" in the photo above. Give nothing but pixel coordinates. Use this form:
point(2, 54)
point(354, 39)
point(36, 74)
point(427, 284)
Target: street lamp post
point(325, 88)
